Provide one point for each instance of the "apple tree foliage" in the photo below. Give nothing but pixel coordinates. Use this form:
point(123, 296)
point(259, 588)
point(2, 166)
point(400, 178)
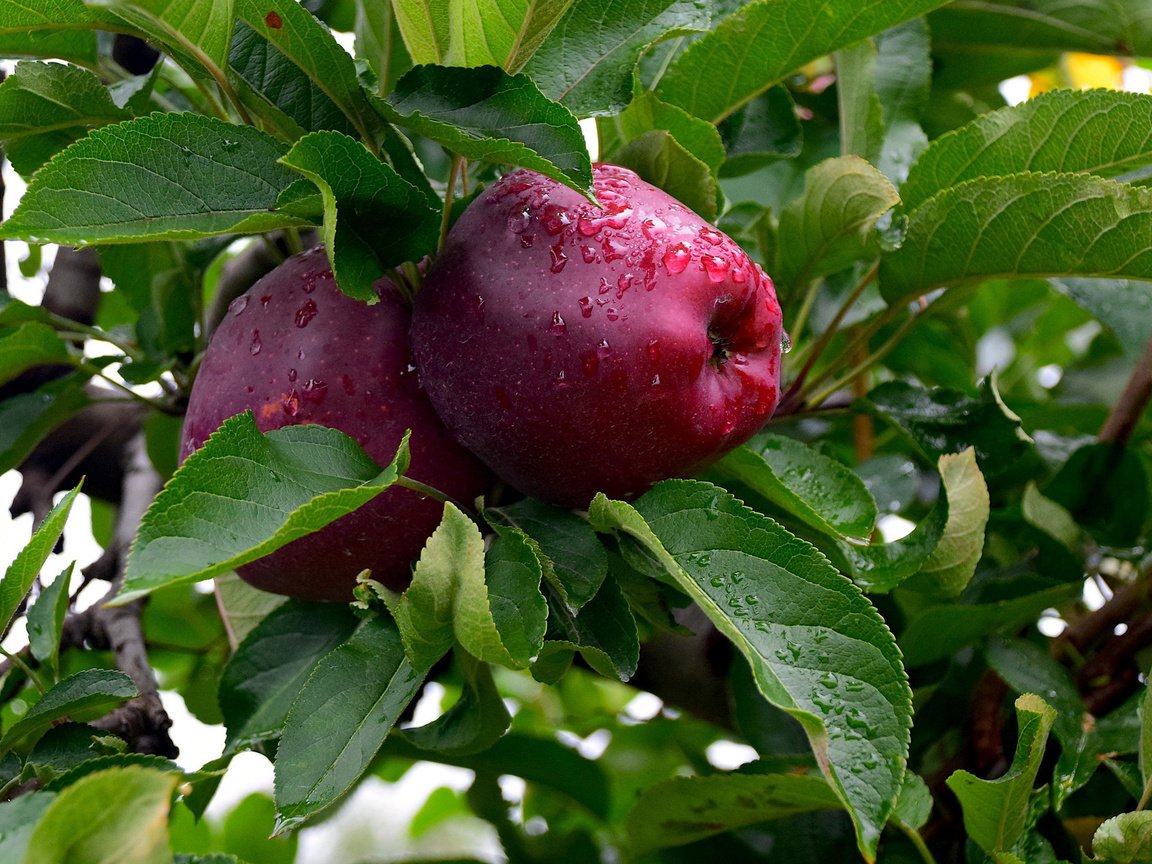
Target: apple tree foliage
point(965, 285)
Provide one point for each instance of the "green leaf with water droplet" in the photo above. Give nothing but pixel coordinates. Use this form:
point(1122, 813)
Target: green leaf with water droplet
point(818, 649)
point(344, 712)
point(245, 494)
point(809, 486)
point(685, 809)
point(996, 811)
point(160, 177)
point(667, 164)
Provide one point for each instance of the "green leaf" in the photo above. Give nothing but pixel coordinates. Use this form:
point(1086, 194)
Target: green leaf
point(1100, 132)
point(86, 695)
point(449, 600)
point(831, 225)
point(18, 819)
point(162, 283)
point(22, 572)
point(44, 107)
point(373, 218)
point(1145, 751)
point(646, 113)
point(242, 607)
point(763, 41)
point(244, 494)
point(116, 815)
point(1060, 224)
point(1046, 515)
point(817, 647)
point(194, 32)
point(952, 564)
point(1124, 306)
point(474, 723)
point(588, 60)
point(48, 28)
point(487, 114)
point(1106, 490)
point(30, 345)
point(301, 39)
point(603, 632)
point(761, 132)
point(513, 573)
point(664, 162)
point(25, 419)
point(380, 43)
point(996, 811)
point(1007, 26)
point(282, 86)
point(809, 486)
point(165, 176)
point(503, 33)
point(271, 665)
point(46, 621)
point(347, 707)
point(685, 809)
point(940, 421)
point(1124, 839)
point(574, 561)
point(940, 630)
point(915, 804)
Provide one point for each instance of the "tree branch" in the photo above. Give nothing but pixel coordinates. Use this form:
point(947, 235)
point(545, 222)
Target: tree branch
point(1126, 413)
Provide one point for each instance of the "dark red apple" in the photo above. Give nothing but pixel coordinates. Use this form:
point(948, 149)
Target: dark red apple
point(578, 350)
point(294, 349)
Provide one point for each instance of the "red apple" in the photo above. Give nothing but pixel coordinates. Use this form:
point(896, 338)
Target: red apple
point(578, 350)
point(294, 349)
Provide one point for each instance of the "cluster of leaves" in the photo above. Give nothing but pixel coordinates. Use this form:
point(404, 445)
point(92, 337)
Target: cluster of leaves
point(913, 224)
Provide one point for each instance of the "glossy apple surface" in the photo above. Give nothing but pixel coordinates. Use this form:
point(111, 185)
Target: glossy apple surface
point(578, 350)
point(294, 349)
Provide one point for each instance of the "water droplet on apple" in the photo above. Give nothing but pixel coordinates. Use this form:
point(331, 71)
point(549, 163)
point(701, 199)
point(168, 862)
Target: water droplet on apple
point(519, 220)
point(291, 376)
point(527, 240)
point(711, 236)
point(715, 266)
point(586, 307)
point(256, 345)
point(589, 254)
point(785, 343)
point(559, 381)
point(623, 284)
point(558, 327)
point(614, 248)
point(653, 227)
point(603, 285)
point(315, 390)
point(299, 354)
point(559, 259)
point(265, 300)
point(603, 349)
point(310, 283)
point(739, 275)
point(612, 313)
point(555, 219)
point(291, 405)
point(306, 313)
point(238, 305)
point(677, 257)
point(656, 380)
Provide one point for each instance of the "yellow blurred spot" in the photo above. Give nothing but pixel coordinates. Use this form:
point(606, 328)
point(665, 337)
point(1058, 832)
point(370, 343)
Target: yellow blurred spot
point(1086, 71)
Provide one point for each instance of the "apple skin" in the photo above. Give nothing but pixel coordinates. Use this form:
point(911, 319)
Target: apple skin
point(294, 350)
point(578, 350)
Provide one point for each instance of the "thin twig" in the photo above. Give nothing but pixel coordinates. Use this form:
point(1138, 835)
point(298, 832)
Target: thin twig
point(1126, 413)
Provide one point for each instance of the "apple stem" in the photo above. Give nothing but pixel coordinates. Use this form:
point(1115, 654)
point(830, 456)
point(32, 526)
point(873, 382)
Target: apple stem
point(449, 194)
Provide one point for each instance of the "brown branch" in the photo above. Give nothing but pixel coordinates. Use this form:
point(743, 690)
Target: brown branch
point(1126, 413)
point(1112, 674)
